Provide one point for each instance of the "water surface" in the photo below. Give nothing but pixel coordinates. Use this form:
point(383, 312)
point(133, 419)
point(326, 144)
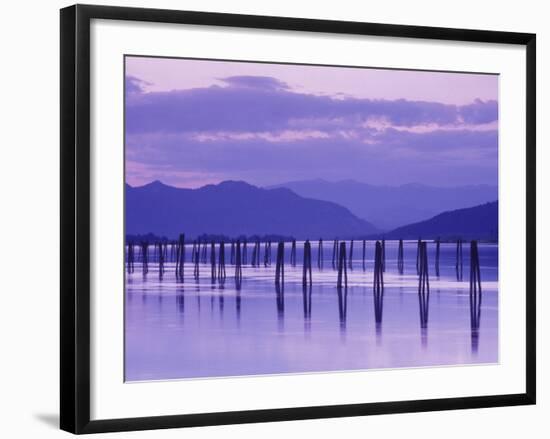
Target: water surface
point(197, 328)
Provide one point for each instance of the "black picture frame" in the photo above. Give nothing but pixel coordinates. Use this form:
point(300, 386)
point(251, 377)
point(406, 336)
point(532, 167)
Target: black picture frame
point(75, 217)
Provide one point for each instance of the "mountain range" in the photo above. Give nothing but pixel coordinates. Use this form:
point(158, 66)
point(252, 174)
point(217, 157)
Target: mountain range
point(389, 207)
point(479, 222)
point(236, 208)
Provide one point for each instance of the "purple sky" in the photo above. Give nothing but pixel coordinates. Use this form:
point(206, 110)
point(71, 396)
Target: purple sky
point(190, 123)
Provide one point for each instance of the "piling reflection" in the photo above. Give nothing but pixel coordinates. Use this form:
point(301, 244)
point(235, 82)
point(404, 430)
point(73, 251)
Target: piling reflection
point(342, 306)
point(475, 295)
point(180, 301)
point(459, 260)
point(251, 319)
point(423, 290)
point(280, 300)
point(378, 286)
point(306, 296)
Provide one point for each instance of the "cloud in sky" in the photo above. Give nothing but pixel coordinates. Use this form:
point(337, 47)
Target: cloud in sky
point(259, 129)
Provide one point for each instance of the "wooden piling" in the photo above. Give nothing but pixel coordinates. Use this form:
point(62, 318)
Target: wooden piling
point(350, 261)
point(364, 255)
point(161, 255)
point(459, 260)
point(320, 256)
point(342, 269)
point(197, 261)
point(238, 267)
point(254, 252)
point(144, 257)
point(221, 264)
point(418, 245)
point(180, 257)
point(280, 264)
point(384, 255)
point(244, 256)
point(423, 285)
point(130, 258)
point(335, 254)
point(257, 254)
point(400, 258)
point(267, 253)
point(293, 253)
point(378, 283)
point(437, 255)
point(212, 262)
point(306, 276)
point(475, 295)
point(342, 287)
point(232, 256)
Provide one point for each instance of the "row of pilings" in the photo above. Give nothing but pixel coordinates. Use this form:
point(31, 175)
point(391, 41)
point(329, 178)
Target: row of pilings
point(176, 252)
point(342, 258)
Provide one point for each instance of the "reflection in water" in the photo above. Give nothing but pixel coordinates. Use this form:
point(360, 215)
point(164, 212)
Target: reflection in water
point(306, 295)
point(238, 305)
point(343, 306)
point(475, 296)
point(423, 291)
point(161, 344)
point(280, 299)
point(378, 286)
point(180, 298)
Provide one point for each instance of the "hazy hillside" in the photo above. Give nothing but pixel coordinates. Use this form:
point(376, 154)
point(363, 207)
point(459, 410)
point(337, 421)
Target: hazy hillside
point(235, 208)
point(479, 222)
point(388, 207)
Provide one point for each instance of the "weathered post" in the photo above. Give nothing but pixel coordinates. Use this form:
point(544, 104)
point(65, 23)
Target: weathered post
point(267, 253)
point(342, 292)
point(423, 286)
point(378, 284)
point(280, 265)
point(384, 255)
point(197, 261)
point(437, 255)
point(254, 251)
point(351, 255)
point(293, 253)
point(130, 258)
point(459, 261)
point(145, 257)
point(400, 258)
point(238, 267)
point(160, 259)
point(335, 254)
point(180, 257)
point(342, 270)
point(320, 256)
point(221, 264)
point(418, 245)
point(364, 254)
point(475, 295)
point(306, 276)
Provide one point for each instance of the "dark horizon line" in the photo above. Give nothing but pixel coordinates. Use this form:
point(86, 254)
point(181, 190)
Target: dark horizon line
point(309, 180)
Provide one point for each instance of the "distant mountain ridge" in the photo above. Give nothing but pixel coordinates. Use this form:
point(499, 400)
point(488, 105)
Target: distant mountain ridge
point(388, 207)
point(235, 208)
point(479, 222)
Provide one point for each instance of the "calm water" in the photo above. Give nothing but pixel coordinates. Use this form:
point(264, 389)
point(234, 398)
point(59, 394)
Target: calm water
point(198, 329)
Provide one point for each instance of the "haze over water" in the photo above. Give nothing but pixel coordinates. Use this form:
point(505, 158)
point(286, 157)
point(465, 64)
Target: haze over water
point(195, 329)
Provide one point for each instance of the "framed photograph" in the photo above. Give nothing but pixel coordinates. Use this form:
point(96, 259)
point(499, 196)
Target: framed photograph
point(267, 218)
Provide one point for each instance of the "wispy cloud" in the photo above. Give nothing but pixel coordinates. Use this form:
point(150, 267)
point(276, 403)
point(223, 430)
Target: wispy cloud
point(257, 127)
